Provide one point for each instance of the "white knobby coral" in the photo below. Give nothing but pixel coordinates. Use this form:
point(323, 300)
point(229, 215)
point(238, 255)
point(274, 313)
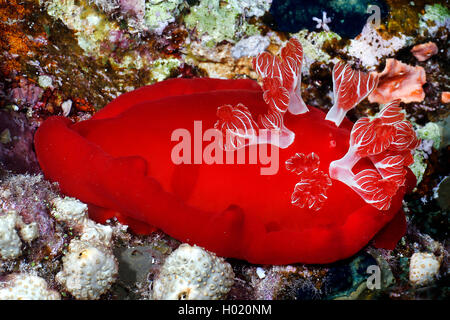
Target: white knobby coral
point(423, 268)
point(26, 287)
point(192, 273)
point(74, 213)
point(69, 210)
point(10, 243)
point(89, 267)
point(88, 271)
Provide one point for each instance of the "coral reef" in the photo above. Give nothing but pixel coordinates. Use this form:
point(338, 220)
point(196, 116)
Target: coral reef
point(26, 197)
point(250, 47)
point(26, 287)
point(431, 135)
point(192, 273)
point(399, 81)
point(158, 14)
point(215, 21)
point(16, 147)
point(435, 16)
point(344, 17)
point(90, 26)
point(370, 46)
point(312, 43)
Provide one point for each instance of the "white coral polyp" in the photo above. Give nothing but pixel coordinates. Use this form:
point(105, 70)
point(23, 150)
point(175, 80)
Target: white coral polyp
point(96, 233)
point(88, 271)
point(69, 210)
point(26, 287)
point(192, 273)
point(74, 213)
point(11, 226)
point(9, 239)
point(423, 268)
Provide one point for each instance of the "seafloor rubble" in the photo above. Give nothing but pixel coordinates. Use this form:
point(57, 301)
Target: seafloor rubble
point(73, 57)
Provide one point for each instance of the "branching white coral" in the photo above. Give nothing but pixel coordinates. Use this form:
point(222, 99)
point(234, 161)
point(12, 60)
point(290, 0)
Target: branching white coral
point(322, 23)
point(192, 273)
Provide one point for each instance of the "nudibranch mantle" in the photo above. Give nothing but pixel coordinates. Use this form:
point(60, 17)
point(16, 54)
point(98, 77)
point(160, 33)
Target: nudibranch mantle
point(338, 184)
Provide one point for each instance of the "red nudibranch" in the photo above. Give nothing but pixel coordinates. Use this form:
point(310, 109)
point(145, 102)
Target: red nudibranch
point(338, 184)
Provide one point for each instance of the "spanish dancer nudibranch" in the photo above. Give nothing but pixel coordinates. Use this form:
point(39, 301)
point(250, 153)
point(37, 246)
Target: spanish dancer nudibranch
point(326, 188)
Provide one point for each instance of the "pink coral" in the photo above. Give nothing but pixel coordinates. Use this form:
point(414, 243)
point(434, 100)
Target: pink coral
point(424, 51)
point(399, 81)
point(27, 93)
point(133, 7)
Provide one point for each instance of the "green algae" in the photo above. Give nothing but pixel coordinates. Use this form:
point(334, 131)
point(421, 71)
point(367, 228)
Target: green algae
point(162, 68)
point(216, 21)
point(313, 43)
point(431, 131)
point(436, 13)
point(159, 13)
point(419, 166)
point(91, 26)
